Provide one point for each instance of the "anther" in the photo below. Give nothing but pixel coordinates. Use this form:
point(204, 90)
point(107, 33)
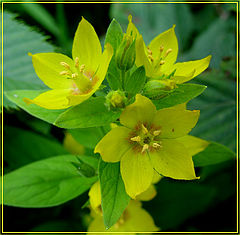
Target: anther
point(74, 75)
point(161, 49)
point(64, 64)
point(156, 145)
point(145, 130)
point(76, 62)
point(156, 133)
point(167, 52)
point(64, 73)
point(82, 67)
point(149, 51)
point(150, 57)
point(136, 139)
point(145, 147)
point(162, 62)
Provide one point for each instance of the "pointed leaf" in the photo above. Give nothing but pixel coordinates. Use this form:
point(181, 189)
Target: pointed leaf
point(90, 113)
point(45, 183)
point(114, 196)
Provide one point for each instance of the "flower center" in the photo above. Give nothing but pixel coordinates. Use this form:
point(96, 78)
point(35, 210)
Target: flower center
point(144, 138)
point(83, 80)
point(160, 59)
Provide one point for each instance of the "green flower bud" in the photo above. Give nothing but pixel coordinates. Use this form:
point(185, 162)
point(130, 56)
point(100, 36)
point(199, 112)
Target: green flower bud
point(116, 99)
point(159, 88)
point(126, 53)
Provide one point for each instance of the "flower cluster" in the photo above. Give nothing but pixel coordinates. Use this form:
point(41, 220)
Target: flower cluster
point(149, 144)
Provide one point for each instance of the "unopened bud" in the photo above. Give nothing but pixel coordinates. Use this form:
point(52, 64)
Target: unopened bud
point(116, 99)
point(126, 53)
point(158, 88)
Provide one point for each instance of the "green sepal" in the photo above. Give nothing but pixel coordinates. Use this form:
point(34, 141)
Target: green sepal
point(135, 83)
point(114, 36)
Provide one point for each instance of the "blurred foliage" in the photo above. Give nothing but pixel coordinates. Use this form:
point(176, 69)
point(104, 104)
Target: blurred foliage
point(202, 29)
point(18, 41)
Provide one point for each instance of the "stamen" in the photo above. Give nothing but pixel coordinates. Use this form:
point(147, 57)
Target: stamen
point(162, 62)
point(156, 133)
point(156, 145)
point(145, 130)
point(145, 147)
point(76, 62)
point(74, 75)
point(150, 57)
point(136, 139)
point(64, 64)
point(161, 49)
point(167, 52)
point(149, 51)
point(64, 73)
point(82, 67)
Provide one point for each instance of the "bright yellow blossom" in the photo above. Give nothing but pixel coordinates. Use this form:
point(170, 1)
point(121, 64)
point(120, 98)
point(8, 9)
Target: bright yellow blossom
point(72, 80)
point(133, 219)
point(160, 55)
point(150, 141)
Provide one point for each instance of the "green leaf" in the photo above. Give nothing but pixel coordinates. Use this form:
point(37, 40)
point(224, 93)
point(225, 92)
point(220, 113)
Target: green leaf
point(89, 137)
point(90, 113)
point(84, 169)
point(18, 40)
point(28, 147)
point(214, 153)
point(45, 114)
point(217, 120)
point(114, 196)
point(180, 95)
point(114, 36)
point(42, 16)
point(213, 42)
point(45, 183)
point(135, 83)
point(156, 18)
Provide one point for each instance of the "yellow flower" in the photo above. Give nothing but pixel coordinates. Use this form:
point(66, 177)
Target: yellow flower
point(72, 80)
point(160, 55)
point(133, 219)
point(149, 141)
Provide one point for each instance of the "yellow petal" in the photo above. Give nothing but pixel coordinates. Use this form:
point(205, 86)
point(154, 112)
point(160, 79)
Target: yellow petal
point(100, 75)
point(95, 197)
point(97, 225)
point(141, 57)
point(103, 66)
point(137, 172)
point(148, 195)
point(139, 220)
point(114, 145)
point(86, 46)
point(168, 40)
point(175, 122)
point(72, 145)
point(134, 219)
point(131, 29)
point(53, 99)
point(47, 66)
point(187, 70)
point(156, 177)
point(142, 110)
point(193, 144)
point(173, 160)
